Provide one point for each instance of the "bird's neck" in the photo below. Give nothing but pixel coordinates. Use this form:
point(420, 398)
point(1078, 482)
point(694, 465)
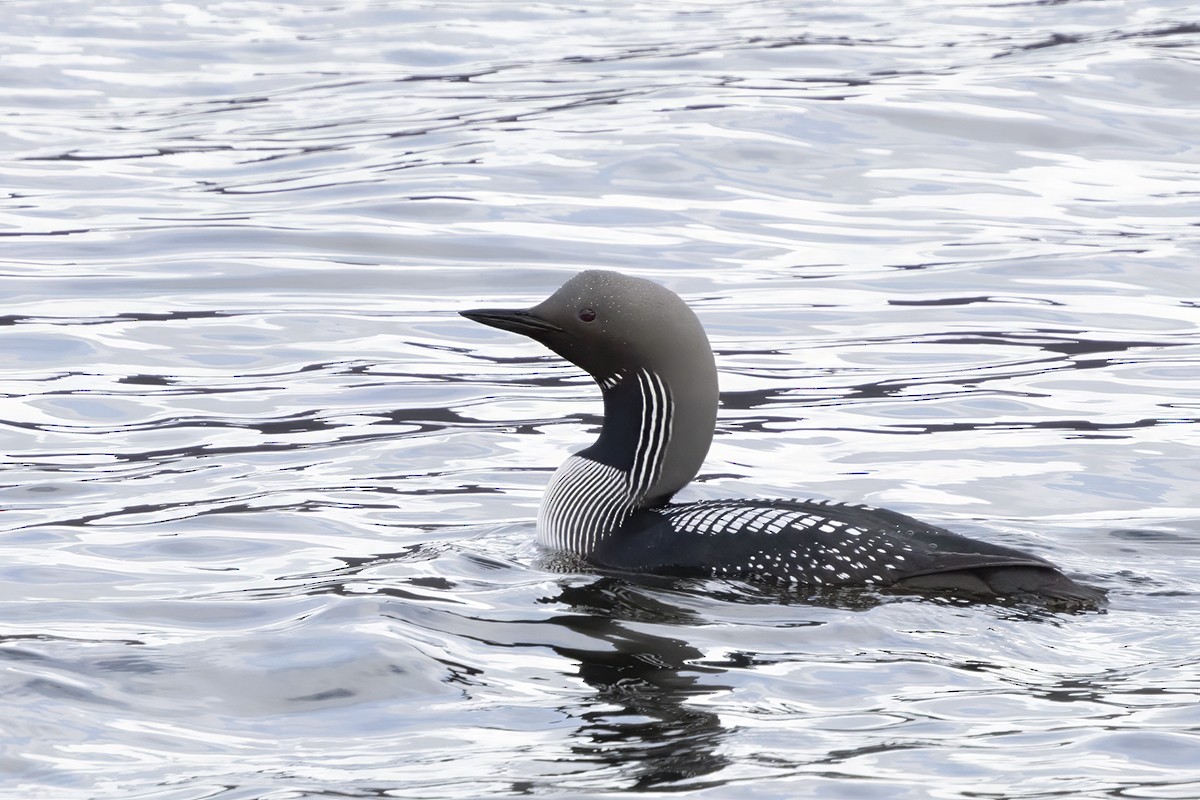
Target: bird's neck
point(651, 445)
point(638, 433)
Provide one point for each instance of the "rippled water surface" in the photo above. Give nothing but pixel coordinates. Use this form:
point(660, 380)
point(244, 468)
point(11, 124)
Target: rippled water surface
point(267, 500)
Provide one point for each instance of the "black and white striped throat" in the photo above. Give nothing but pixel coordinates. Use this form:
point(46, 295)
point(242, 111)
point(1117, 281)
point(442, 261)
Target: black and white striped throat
point(588, 499)
point(654, 434)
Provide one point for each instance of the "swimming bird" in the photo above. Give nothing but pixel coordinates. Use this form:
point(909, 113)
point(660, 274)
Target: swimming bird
point(611, 503)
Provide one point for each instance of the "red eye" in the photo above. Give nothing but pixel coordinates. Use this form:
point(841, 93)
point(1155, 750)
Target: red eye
point(587, 315)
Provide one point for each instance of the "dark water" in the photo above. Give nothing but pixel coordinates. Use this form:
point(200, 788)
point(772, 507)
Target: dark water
point(268, 502)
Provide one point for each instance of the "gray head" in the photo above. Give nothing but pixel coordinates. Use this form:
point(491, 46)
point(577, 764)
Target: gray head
point(615, 326)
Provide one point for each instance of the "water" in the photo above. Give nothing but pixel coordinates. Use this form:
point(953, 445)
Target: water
point(268, 501)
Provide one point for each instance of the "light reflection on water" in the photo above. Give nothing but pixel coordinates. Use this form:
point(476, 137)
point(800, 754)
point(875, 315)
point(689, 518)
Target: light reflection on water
point(267, 501)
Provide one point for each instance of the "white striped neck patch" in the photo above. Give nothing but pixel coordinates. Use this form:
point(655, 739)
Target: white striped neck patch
point(587, 500)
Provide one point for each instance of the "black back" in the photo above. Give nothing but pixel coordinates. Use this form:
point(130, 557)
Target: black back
point(821, 545)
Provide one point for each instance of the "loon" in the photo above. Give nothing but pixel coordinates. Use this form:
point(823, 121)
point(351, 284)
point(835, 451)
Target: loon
point(610, 503)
